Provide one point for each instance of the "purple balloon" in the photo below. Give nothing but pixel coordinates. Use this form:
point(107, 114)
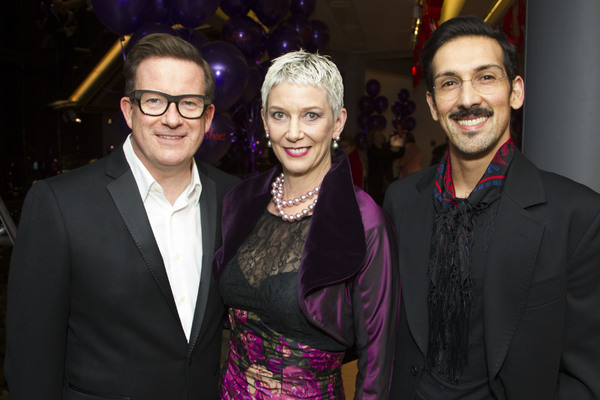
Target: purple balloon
point(246, 34)
point(122, 17)
point(410, 107)
point(373, 87)
point(300, 24)
point(217, 140)
point(319, 37)
point(235, 7)
point(192, 13)
point(146, 29)
point(403, 95)
point(396, 108)
point(381, 104)
point(270, 12)
point(377, 121)
point(196, 37)
point(263, 67)
point(361, 140)
point(366, 104)
point(230, 69)
point(283, 40)
point(253, 84)
point(160, 13)
point(303, 7)
point(363, 120)
point(408, 124)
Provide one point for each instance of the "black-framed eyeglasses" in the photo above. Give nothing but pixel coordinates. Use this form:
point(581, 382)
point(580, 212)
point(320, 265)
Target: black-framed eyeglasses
point(154, 103)
point(485, 82)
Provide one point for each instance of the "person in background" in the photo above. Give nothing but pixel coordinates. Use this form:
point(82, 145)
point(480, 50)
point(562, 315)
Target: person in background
point(110, 294)
point(307, 267)
point(412, 158)
point(382, 155)
point(499, 260)
point(348, 146)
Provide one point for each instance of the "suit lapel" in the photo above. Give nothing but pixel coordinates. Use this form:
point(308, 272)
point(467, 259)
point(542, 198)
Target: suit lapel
point(124, 193)
point(511, 260)
point(415, 236)
point(208, 216)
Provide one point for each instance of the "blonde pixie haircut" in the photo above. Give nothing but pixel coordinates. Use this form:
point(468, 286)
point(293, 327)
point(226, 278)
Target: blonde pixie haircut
point(302, 68)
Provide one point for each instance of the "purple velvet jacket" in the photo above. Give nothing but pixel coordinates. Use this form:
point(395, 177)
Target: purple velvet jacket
point(348, 281)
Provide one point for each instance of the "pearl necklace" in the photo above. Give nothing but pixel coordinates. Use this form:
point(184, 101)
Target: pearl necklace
point(277, 193)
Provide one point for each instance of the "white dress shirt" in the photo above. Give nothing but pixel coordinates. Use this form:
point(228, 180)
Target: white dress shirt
point(177, 231)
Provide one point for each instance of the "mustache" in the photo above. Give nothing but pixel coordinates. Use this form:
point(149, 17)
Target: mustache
point(471, 112)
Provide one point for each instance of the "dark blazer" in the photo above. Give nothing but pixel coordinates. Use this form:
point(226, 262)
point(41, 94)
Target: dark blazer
point(541, 296)
point(90, 310)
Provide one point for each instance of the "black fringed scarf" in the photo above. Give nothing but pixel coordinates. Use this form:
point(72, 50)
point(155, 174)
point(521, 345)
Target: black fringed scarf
point(450, 294)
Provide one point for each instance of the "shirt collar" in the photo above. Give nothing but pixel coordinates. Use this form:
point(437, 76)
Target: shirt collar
point(145, 180)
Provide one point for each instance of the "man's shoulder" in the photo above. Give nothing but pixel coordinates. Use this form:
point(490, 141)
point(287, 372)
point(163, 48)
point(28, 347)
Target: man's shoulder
point(561, 188)
point(87, 174)
point(409, 189)
point(413, 181)
point(566, 195)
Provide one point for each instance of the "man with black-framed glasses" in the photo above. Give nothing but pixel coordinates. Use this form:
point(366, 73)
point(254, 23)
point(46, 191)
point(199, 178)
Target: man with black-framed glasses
point(499, 261)
point(110, 293)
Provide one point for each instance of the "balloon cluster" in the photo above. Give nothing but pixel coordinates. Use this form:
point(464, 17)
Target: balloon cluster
point(289, 29)
point(402, 110)
point(371, 106)
point(125, 17)
point(280, 26)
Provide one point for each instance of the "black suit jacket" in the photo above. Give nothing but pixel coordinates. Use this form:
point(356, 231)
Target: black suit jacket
point(90, 310)
point(541, 295)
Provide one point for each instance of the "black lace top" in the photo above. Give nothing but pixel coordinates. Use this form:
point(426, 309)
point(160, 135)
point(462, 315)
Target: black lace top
point(262, 278)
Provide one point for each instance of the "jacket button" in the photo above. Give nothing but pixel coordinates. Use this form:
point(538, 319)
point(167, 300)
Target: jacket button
point(414, 370)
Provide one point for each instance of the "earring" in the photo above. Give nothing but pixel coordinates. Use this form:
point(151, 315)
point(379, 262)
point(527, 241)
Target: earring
point(334, 143)
point(269, 143)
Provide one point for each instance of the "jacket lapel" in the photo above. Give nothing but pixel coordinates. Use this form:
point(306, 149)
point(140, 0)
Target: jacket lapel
point(208, 216)
point(415, 235)
point(516, 240)
point(126, 197)
point(244, 205)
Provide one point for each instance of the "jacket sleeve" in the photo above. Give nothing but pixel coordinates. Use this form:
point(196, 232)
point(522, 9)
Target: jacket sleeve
point(580, 359)
point(38, 300)
point(375, 303)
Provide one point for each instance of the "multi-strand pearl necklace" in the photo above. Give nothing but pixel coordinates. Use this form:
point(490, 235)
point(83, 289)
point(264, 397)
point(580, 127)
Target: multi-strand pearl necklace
point(277, 193)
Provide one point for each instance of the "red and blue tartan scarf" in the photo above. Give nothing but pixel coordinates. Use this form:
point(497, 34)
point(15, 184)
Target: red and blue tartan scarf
point(450, 285)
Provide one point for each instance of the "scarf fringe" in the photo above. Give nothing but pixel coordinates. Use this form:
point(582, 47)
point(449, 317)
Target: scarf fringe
point(450, 292)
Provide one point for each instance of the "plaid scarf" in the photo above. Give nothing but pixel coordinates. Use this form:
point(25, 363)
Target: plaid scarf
point(450, 285)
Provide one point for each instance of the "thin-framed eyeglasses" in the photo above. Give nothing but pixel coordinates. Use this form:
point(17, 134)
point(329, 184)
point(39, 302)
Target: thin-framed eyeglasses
point(484, 82)
point(154, 103)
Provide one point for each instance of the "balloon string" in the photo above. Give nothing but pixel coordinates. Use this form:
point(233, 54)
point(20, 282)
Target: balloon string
point(123, 47)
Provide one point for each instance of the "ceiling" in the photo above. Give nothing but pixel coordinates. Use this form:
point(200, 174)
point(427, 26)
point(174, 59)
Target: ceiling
point(382, 29)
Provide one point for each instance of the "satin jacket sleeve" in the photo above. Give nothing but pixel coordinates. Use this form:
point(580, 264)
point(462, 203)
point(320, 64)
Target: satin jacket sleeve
point(375, 294)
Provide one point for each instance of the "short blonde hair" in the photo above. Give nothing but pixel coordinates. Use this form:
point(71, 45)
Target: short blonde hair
point(303, 68)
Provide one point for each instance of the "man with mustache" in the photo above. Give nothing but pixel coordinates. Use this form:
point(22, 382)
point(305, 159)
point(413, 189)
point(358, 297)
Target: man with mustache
point(499, 261)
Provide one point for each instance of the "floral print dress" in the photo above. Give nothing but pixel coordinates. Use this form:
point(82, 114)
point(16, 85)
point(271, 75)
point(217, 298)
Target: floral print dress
point(275, 353)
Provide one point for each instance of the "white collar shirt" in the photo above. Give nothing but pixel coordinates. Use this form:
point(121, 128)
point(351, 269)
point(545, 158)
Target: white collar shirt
point(178, 233)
